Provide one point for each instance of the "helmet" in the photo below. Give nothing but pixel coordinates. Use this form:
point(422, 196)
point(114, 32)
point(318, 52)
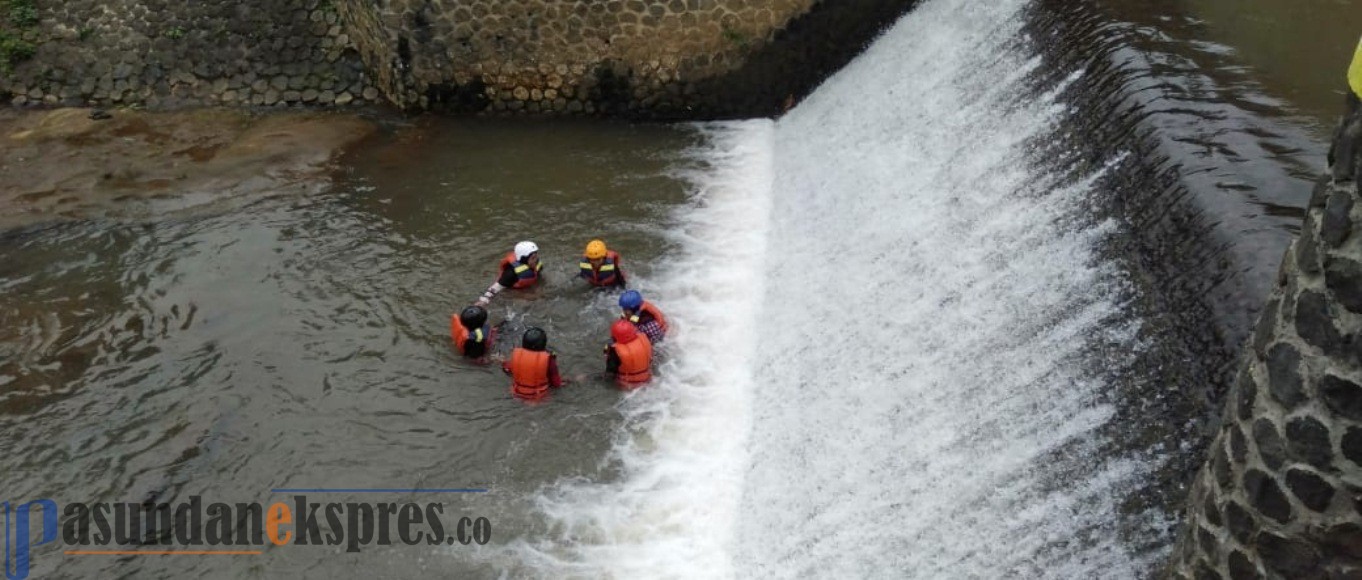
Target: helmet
point(623, 331)
point(473, 317)
point(631, 300)
point(535, 339)
point(524, 249)
point(595, 250)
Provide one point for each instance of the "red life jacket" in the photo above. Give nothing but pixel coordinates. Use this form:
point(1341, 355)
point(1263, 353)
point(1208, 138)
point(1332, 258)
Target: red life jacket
point(636, 361)
point(526, 276)
point(606, 274)
point(529, 373)
point(462, 335)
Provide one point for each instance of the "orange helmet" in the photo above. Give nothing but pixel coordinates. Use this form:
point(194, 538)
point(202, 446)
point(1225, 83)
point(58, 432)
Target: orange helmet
point(595, 250)
point(623, 331)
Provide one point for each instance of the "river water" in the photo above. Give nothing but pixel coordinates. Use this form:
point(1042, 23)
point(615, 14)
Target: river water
point(966, 311)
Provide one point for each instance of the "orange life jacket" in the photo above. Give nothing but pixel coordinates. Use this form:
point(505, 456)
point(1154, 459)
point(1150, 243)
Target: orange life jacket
point(606, 274)
point(651, 310)
point(529, 373)
point(525, 275)
point(636, 361)
point(462, 335)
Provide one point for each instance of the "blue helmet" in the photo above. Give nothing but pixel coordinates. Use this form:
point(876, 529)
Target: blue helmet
point(631, 300)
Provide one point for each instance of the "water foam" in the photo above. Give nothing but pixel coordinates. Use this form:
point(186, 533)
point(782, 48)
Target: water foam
point(928, 405)
point(682, 450)
point(896, 342)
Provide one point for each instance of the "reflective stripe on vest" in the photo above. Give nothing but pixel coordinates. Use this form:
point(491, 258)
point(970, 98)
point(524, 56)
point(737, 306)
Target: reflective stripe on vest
point(526, 276)
point(650, 310)
point(461, 335)
point(604, 276)
point(636, 359)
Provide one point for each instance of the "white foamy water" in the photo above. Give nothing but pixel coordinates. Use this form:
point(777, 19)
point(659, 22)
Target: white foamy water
point(887, 360)
point(684, 444)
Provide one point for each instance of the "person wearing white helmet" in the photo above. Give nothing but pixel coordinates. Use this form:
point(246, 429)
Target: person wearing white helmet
point(519, 269)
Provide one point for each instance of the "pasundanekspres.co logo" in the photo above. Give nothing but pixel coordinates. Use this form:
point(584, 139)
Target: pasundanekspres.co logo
point(198, 528)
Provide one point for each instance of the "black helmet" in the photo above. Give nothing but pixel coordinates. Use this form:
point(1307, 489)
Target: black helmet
point(473, 317)
point(535, 339)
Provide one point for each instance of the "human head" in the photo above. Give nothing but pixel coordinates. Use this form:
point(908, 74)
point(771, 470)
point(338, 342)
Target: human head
point(631, 301)
point(535, 339)
point(623, 331)
point(524, 250)
point(595, 250)
point(473, 317)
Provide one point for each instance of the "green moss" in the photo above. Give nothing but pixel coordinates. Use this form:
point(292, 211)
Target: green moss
point(734, 36)
point(14, 48)
point(13, 51)
point(22, 13)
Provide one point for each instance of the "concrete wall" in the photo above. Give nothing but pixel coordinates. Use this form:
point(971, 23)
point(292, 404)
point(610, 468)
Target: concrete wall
point(1280, 495)
point(635, 58)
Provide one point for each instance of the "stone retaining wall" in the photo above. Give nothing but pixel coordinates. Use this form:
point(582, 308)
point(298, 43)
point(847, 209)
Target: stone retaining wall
point(635, 58)
point(166, 53)
point(1280, 495)
point(548, 55)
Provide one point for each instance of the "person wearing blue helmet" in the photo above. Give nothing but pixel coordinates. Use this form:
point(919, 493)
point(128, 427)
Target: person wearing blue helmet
point(647, 317)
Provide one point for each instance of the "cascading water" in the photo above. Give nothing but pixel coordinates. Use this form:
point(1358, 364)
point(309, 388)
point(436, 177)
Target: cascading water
point(940, 335)
point(896, 345)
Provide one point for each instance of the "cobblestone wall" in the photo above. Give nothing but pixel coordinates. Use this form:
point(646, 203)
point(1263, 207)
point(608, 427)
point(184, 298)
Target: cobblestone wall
point(549, 55)
point(166, 53)
point(1280, 495)
point(636, 58)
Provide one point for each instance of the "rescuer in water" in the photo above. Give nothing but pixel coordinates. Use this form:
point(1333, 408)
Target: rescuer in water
point(645, 316)
point(627, 357)
point(519, 269)
point(533, 368)
point(471, 333)
point(600, 266)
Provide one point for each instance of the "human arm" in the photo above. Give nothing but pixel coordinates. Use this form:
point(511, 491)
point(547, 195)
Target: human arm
point(612, 360)
point(507, 279)
point(555, 378)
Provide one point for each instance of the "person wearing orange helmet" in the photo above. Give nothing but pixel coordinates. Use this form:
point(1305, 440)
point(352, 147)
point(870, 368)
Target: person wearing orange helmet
point(533, 368)
point(600, 266)
point(519, 269)
point(627, 357)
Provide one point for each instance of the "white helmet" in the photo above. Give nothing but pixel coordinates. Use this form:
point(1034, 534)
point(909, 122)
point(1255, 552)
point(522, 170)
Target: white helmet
point(524, 249)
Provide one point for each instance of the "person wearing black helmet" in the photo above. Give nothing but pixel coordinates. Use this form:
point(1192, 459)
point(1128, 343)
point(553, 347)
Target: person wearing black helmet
point(471, 333)
point(533, 368)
